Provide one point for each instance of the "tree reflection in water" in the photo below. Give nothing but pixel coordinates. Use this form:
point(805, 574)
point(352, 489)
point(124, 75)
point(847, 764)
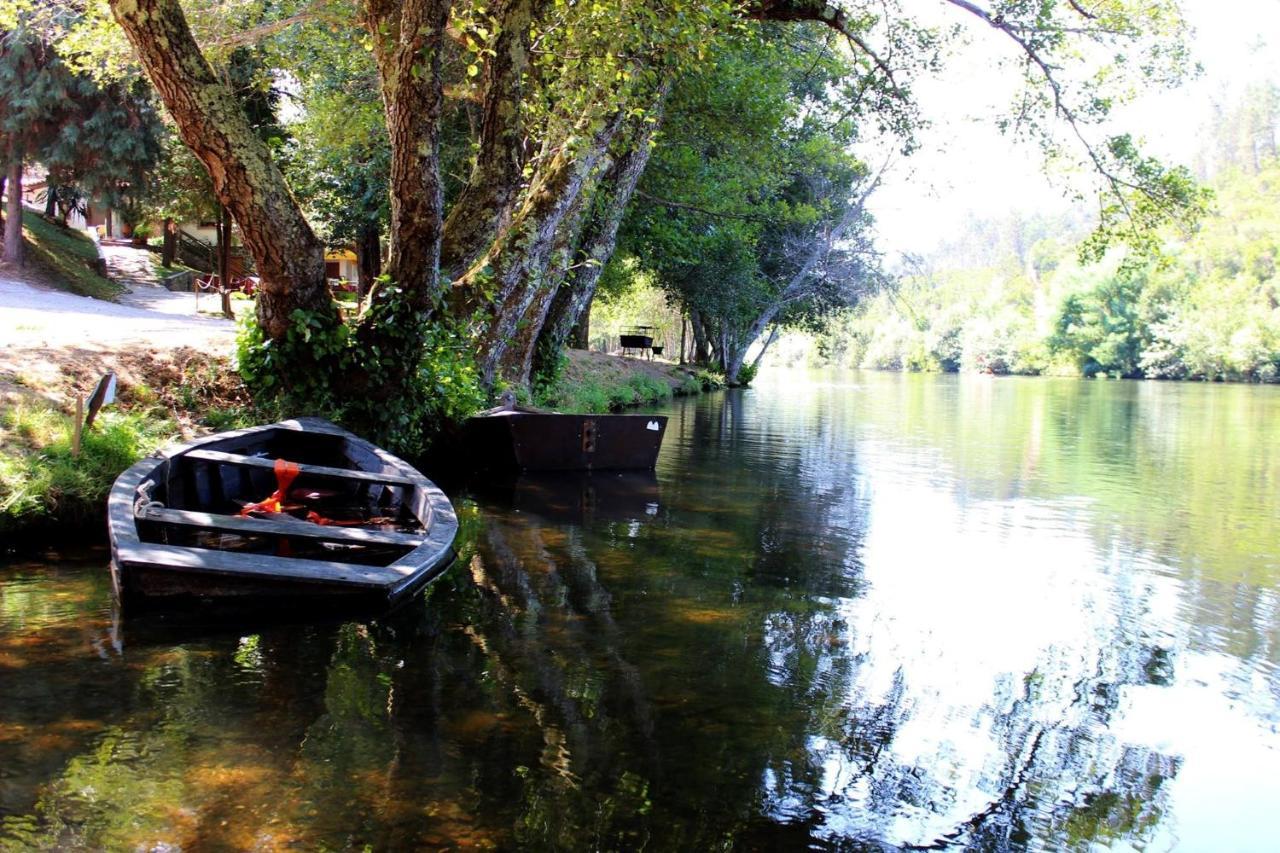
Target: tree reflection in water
point(772, 650)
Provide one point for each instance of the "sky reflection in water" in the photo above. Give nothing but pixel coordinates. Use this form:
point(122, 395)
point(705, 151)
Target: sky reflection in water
point(853, 610)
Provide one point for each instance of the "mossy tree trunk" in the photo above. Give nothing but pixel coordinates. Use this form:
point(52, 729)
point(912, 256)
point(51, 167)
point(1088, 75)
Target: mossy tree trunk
point(599, 234)
point(485, 205)
point(408, 36)
point(497, 294)
point(289, 257)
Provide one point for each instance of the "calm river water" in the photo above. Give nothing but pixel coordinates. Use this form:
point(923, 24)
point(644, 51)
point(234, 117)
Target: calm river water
point(853, 611)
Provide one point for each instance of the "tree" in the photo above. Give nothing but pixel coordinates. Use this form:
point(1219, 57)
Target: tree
point(341, 159)
point(557, 89)
point(179, 191)
point(98, 138)
point(752, 211)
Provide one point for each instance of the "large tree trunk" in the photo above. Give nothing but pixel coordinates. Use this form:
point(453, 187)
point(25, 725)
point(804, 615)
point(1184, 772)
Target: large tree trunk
point(600, 233)
point(169, 249)
point(764, 348)
point(701, 343)
point(510, 279)
point(485, 205)
point(13, 216)
point(517, 362)
point(289, 258)
point(408, 36)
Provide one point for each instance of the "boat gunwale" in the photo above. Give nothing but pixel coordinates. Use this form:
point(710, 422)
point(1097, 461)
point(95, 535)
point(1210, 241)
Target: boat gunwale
point(433, 510)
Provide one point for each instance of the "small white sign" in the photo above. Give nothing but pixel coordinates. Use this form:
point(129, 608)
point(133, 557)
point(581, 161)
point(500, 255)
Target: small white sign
point(653, 425)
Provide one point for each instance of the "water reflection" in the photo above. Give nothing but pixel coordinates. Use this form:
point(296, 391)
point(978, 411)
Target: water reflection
point(861, 612)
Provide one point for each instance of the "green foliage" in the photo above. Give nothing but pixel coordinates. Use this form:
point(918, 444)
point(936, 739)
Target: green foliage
point(752, 171)
point(1210, 309)
point(1133, 213)
point(101, 137)
point(41, 482)
point(708, 380)
point(746, 373)
point(309, 372)
point(596, 396)
point(1101, 329)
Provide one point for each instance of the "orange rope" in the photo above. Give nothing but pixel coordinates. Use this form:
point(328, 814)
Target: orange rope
point(286, 473)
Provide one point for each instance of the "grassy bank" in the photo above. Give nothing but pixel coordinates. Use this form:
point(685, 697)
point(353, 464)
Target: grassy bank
point(44, 486)
point(65, 258)
point(174, 396)
point(593, 382)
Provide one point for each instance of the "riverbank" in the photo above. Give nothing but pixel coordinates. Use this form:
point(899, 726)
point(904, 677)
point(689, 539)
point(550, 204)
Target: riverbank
point(162, 397)
point(595, 382)
point(168, 395)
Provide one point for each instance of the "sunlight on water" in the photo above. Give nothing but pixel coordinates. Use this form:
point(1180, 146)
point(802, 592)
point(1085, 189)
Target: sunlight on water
point(851, 610)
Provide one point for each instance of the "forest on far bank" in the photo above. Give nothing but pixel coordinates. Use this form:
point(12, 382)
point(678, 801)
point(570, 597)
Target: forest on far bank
point(1013, 297)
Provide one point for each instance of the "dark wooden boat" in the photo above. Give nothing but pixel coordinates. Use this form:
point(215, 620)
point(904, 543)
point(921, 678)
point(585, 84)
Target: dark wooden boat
point(515, 438)
point(350, 523)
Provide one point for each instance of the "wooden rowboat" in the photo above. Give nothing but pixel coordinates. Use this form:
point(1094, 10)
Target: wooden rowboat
point(299, 511)
point(520, 439)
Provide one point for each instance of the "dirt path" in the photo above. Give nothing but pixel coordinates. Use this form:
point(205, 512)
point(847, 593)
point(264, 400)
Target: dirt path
point(52, 343)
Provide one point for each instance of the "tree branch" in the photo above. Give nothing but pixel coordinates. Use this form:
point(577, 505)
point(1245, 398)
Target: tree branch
point(826, 13)
point(253, 35)
point(718, 214)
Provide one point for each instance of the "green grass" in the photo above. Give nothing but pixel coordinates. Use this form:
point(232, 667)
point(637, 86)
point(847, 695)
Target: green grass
point(67, 256)
point(591, 396)
point(42, 484)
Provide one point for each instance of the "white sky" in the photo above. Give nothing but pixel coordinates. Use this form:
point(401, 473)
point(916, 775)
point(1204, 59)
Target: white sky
point(965, 168)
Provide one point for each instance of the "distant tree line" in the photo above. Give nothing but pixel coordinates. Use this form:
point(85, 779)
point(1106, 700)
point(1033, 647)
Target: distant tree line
point(1018, 299)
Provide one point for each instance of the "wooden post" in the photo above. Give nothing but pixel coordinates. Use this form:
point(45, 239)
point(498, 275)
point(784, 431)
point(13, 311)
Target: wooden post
point(79, 425)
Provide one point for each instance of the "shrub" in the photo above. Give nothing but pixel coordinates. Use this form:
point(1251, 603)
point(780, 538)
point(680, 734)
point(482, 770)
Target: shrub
point(306, 374)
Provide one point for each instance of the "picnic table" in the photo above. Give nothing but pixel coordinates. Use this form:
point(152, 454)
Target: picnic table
point(640, 338)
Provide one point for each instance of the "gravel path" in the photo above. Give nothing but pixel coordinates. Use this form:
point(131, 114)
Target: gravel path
point(32, 316)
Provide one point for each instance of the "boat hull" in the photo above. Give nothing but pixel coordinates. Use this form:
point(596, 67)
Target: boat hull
point(537, 441)
point(178, 538)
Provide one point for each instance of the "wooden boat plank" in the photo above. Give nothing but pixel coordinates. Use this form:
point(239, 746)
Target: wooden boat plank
point(263, 565)
point(279, 527)
point(317, 470)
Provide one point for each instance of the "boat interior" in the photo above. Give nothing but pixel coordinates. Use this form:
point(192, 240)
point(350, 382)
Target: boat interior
point(287, 493)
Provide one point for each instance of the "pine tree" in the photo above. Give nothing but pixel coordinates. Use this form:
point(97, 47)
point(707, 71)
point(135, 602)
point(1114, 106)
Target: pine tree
point(101, 140)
